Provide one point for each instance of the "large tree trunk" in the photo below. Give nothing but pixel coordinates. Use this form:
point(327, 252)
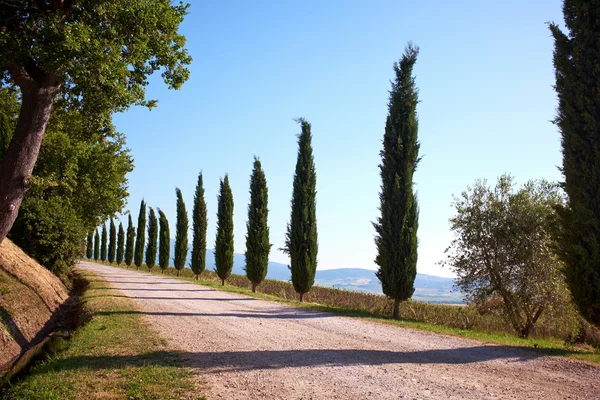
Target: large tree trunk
point(396, 314)
point(21, 155)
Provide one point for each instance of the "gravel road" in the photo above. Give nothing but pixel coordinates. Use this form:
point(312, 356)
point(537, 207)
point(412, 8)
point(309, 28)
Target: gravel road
point(243, 348)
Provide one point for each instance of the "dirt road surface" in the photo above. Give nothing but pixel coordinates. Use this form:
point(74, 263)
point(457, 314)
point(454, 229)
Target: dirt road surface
point(244, 348)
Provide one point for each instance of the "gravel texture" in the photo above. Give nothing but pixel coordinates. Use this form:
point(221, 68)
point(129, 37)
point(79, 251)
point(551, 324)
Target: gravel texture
point(243, 348)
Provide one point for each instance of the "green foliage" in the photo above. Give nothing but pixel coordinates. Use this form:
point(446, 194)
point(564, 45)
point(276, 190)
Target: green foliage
point(301, 237)
point(165, 241)
point(503, 248)
point(224, 240)
point(120, 244)
point(577, 61)
point(200, 225)
point(140, 239)
point(100, 53)
point(104, 243)
point(181, 232)
point(9, 111)
point(112, 242)
point(89, 248)
point(130, 243)
point(152, 247)
point(257, 238)
point(396, 228)
point(97, 246)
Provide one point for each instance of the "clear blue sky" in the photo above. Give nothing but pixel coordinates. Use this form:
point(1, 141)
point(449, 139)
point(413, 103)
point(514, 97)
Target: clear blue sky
point(485, 77)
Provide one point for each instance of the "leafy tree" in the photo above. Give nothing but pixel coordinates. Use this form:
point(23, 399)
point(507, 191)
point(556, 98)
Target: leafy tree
point(224, 241)
point(257, 238)
point(181, 233)
point(112, 242)
point(89, 249)
point(88, 55)
point(140, 239)
point(68, 194)
point(301, 237)
point(120, 244)
point(576, 60)
point(503, 247)
point(151, 249)
point(96, 246)
point(130, 243)
point(200, 224)
point(165, 242)
point(396, 228)
point(103, 244)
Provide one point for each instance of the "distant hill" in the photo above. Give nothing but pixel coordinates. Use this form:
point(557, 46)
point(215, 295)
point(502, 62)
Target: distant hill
point(429, 288)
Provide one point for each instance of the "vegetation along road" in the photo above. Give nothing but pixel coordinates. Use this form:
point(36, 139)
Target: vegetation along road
point(241, 347)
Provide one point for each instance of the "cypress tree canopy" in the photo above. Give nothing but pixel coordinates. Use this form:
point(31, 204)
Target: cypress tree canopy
point(97, 246)
point(257, 238)
point(224, 241)
point(396, 228)
point(89, 250)
point(165, 241)
point(130, 243)
point(112, 242)
point(151, 249)
point(200, 224)
point(104, 243)
point(140, 240)
point(120, 244)
point(181, 234)
point(301, 237)
point(577, 65)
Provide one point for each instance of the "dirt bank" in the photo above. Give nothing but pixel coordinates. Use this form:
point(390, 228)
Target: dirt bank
point(243, 348)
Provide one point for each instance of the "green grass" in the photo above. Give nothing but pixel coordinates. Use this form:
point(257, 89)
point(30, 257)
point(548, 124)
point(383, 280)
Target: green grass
point(114, 355)
point(543, 345)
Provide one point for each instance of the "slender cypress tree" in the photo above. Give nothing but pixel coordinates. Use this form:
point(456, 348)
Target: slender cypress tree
point(165, 242)
point(152, 248)
point(257, 238)
point(96, 246)
point(104, 243)
point(89, 250)
point(140, 239)
point(577, 61)
point(396, 228)
point(120, 244)
point(181, 234)
point(112, 242)
point(301, 237)
point(130, 243)
point(199, 226)
point(224, 242)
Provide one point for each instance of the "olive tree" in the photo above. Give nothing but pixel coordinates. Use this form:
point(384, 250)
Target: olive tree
point(503, 248)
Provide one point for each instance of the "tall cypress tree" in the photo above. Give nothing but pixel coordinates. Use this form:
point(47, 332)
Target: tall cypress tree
point(301, 237)
point(577, 61)
point(120, 244)
point(224, 241)
point(151, 249)
point(396, 228)
point(112, 242)
point(181, 233)
point(96, 246)
point(199, 226)
point(104, 243)
point(257, 238)
point(130, 243)
point(140, 239)
point(165, 242)
point(89, 250)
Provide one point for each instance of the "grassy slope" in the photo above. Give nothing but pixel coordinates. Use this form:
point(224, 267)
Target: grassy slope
point(114, 356)
point(548, 346)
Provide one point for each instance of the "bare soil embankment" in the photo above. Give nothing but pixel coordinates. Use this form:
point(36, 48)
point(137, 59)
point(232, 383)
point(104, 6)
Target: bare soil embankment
point(30, 297)
point(244, 348)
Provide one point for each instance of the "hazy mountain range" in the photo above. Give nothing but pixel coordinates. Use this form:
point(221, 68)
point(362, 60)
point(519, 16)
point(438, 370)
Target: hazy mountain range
point(429, 288)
